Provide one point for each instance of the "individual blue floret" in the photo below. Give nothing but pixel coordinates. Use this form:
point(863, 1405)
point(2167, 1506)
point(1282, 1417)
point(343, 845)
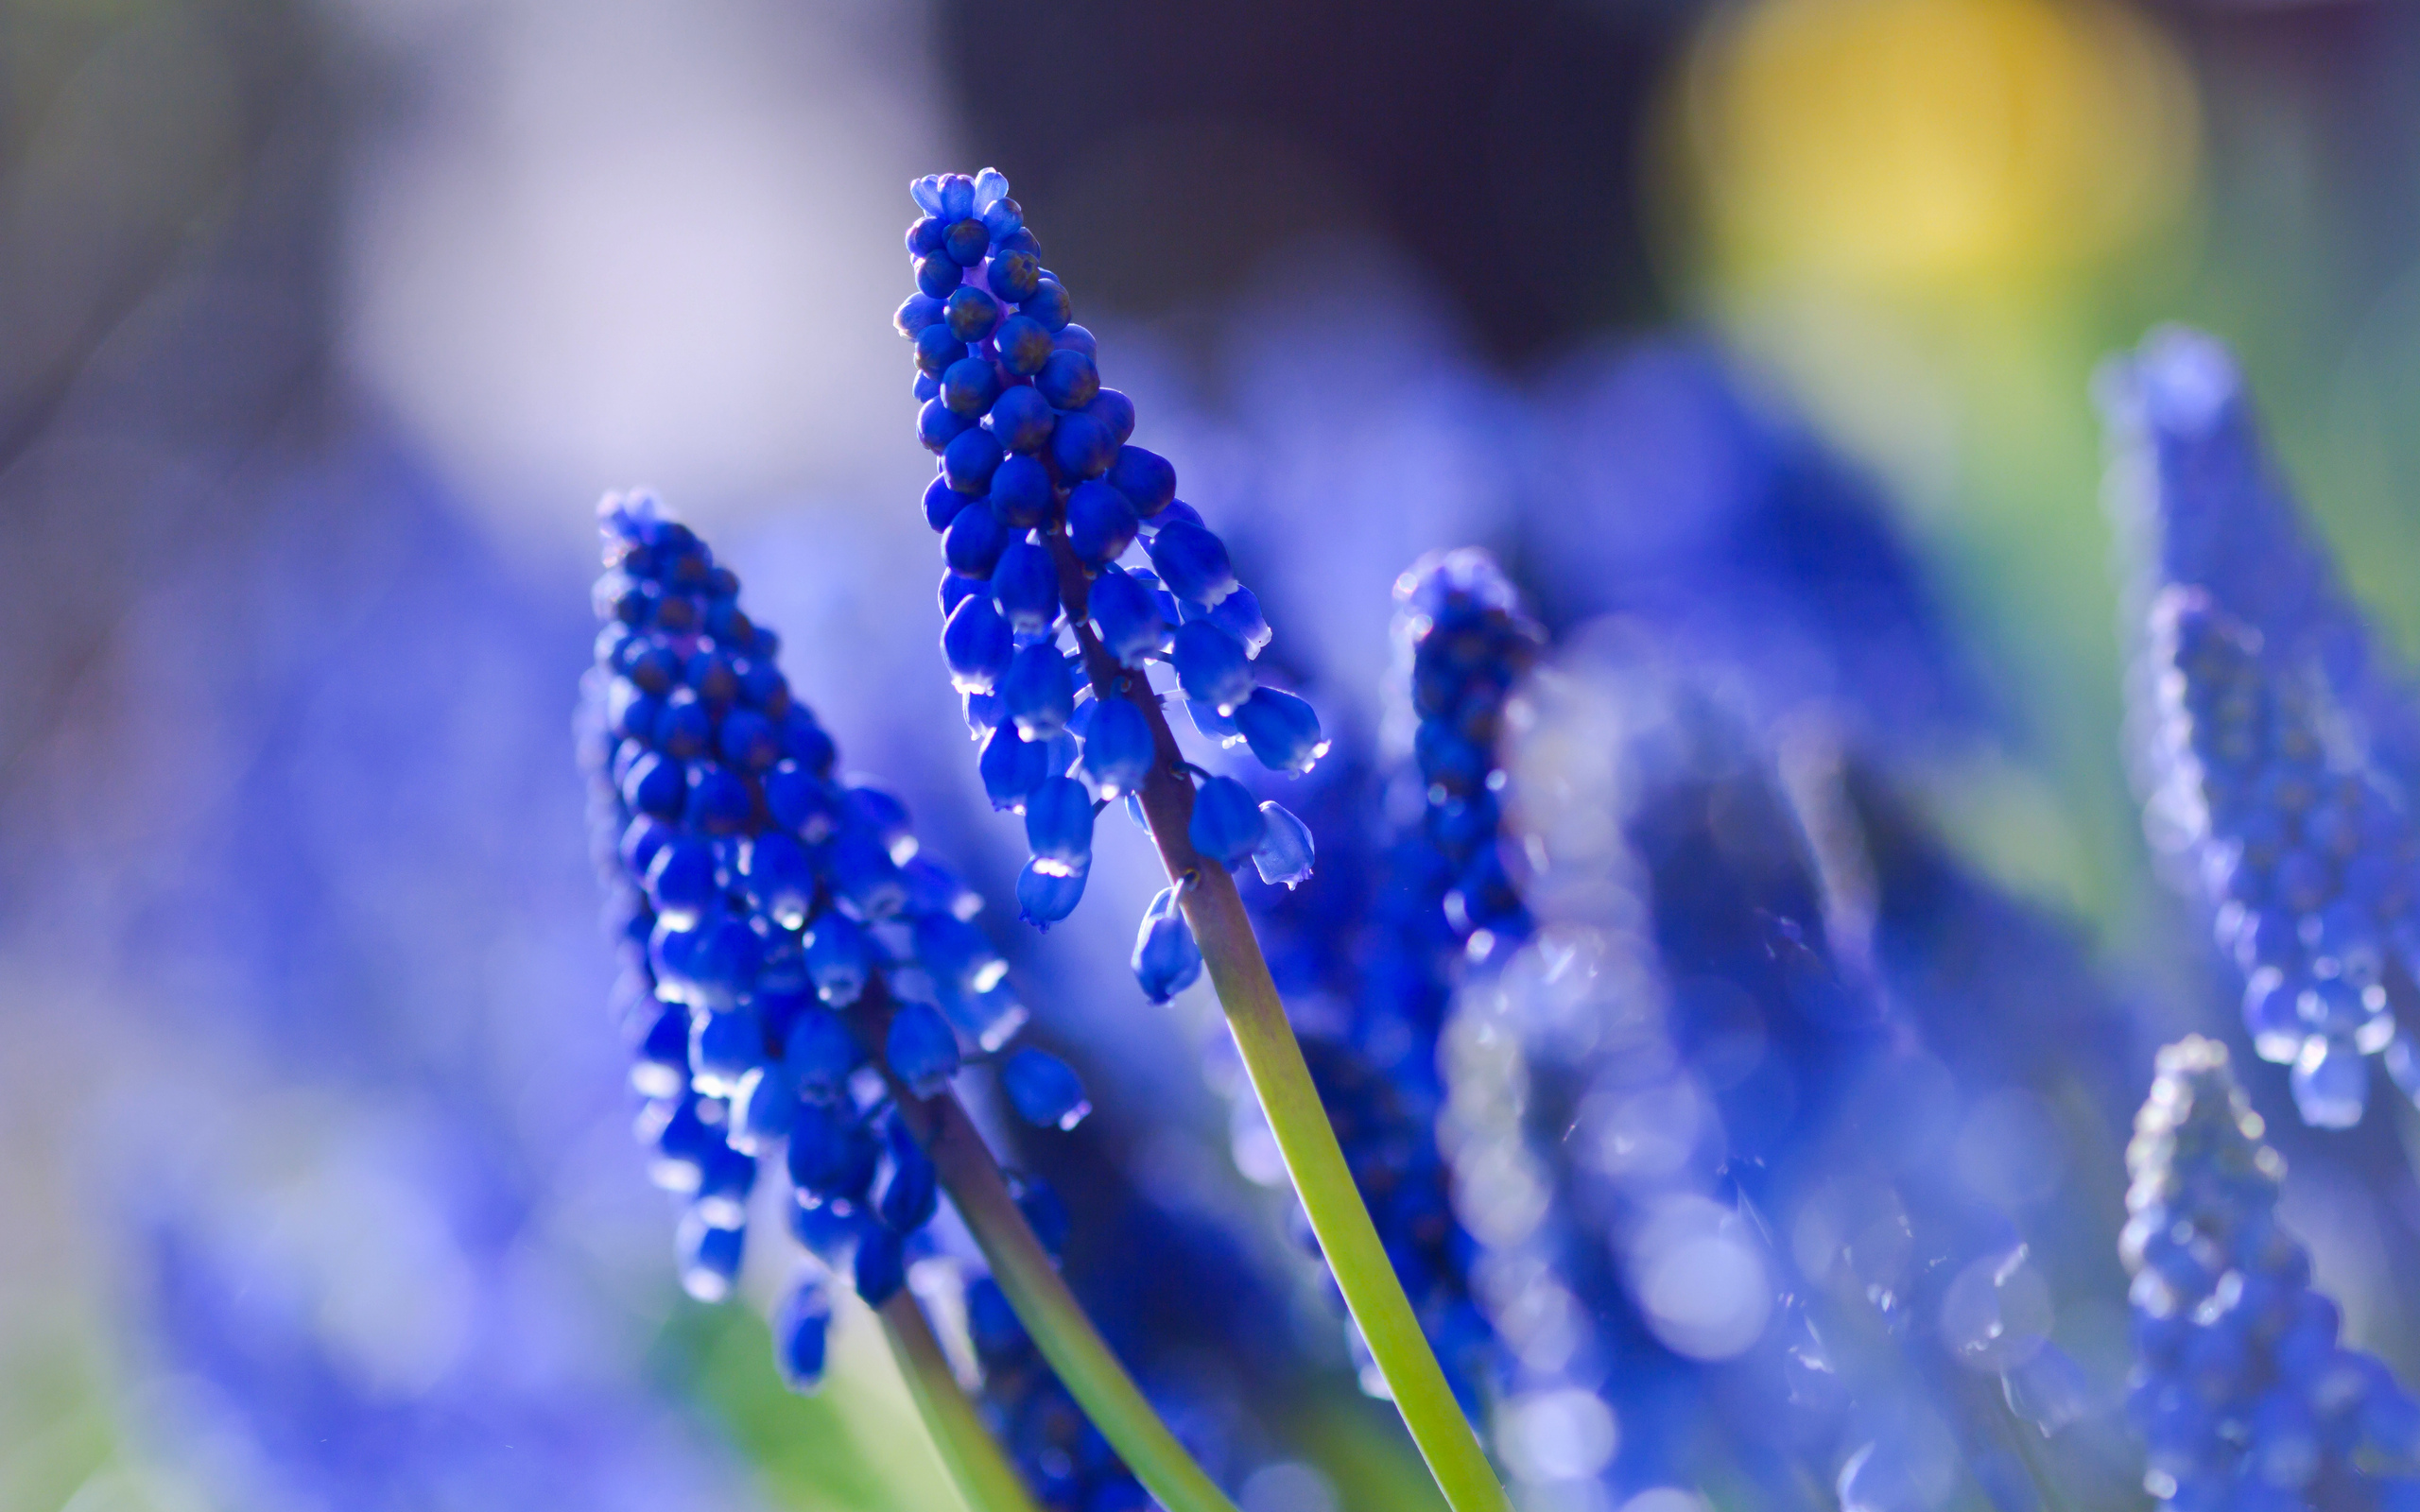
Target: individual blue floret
point(2278, 737)
point(1044, 1090)
point(1041, 498)
point(1167, 960)
point(2242, 1393)
point(800, 1321)
point(760, 900)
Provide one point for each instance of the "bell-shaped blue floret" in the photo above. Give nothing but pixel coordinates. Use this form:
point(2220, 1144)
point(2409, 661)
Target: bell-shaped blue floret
point(937, 424)
point(1070, 380)
point(725, 1048)
point(884, 816)
point(977, 643)
point(863, 874)
point(1045, 897)
point(969, 460)
point(1044, 1090)
point(832, 1153)
point(969, 385)
point(2330, 1083)
point(879, 1266)
point(1282, 731)
point(920, 1048)
point(1166, 961)
point(1059, 826)
point(1023, 421)
point(957, 954)
point(973, 543)
point(800, 802)
point(1227, 825)
point(762, 1112)
point(942, 503)
point(800, 1321)
point(1239, 615)
point(819, 1056)
point(1012, 767)
point(1207, 719)
point(723, 1186)
point(1117, 747)
point(678, 1142)
point(662, 1066)
point(680, 881)
point(1039, 692)
point(838, 959)
point(655, 784)
point(904, 1186)
point(1024, 346)
point(715, 962)
point(1025, 587)
point(1127, 615)
point(747, 742)
point(1145, 478)
point(1284, 852)
point(718, 802)
point(779, 879)
point(1212, 666)
point(982, 713)
point(1022, 493)
point(1082, 445)
point(933, 888)
point(1100, 524)
point(1193, 562)
point(709, 1258)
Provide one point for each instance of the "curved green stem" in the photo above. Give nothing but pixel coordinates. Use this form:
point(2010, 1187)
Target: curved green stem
point(1273, 1059)
point(1051, 1313)
point(983, 1473)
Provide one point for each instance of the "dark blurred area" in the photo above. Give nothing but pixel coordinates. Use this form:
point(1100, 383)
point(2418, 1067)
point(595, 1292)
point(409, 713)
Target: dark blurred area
point(1500, 146)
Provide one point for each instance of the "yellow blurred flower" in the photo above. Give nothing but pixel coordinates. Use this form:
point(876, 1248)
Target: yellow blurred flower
point(1929, 142)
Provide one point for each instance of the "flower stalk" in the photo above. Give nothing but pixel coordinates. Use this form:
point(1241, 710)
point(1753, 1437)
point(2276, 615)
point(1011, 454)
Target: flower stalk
point(982, 1471)
point(1057, 1322)
point(1274, 1060)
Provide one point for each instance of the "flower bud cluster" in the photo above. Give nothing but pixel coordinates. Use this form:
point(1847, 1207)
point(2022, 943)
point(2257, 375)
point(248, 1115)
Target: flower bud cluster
point(2243, 1392)
point(1042, 502)
point(790, 956)
point(2269, 734)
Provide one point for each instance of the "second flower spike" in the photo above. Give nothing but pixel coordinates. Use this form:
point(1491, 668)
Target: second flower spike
point(1044, 503)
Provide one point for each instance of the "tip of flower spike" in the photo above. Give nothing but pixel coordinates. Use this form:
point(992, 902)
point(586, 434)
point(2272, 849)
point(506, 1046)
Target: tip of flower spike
point(2179, 381)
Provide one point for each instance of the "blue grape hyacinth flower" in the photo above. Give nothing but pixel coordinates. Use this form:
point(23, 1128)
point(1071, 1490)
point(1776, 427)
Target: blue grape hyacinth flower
point(2241, 1390)
point(2277, 737)
point(1374, 946)
point(790, 955)
point(1043, 504)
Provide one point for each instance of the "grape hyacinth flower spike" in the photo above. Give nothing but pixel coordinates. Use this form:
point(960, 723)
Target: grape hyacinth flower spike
point(2280, 745)
point(1035, 464)
point(799, 979)
point(2241, 1390)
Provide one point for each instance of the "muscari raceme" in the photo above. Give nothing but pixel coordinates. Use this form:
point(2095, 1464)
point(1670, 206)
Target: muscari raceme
point(1374, 948)
point(2244, 1395)
point(2278, 735)
point(785, 945)
point(1038, 493)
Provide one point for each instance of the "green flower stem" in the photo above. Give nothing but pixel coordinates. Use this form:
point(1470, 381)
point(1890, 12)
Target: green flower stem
point(1274, 1062)
point(983, 1474)
point(1051, 1313)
